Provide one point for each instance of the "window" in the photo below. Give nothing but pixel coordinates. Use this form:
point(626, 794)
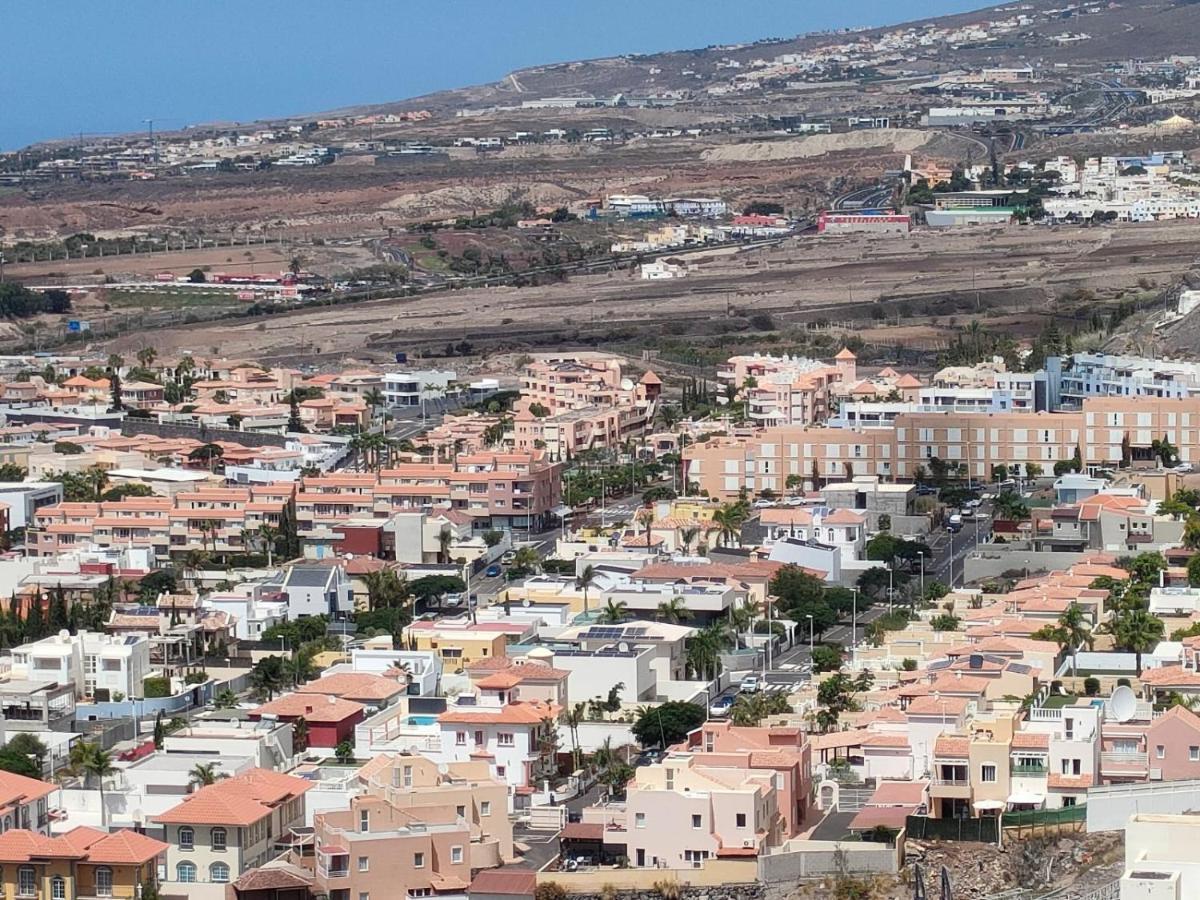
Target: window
point(187, 838)
point(501, 771)
point(1160, 751)
point(364, 895)
point(364, 820)
point(26, 882)
point(186, 872)
point(58, 888)
point(697, 821)
point(987, 773)
point(364, 864)
point(1069, 801)
point(219, 837)
point(408, 776)
point(218, 873)
point(1194, 754)
point(741, 820)
point(460, 811)
point(639, 820)
point(456, 855)
point(504, 738)
point(418, 860)
point(460, 738)
point(485, 808)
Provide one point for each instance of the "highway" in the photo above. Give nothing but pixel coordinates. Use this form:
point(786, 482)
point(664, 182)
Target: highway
point(874, 197)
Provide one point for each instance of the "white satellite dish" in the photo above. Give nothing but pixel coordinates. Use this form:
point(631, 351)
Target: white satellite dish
point(627, 384)
point(1123, 703)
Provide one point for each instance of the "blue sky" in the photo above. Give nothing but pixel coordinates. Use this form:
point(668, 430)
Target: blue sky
point(103, 67)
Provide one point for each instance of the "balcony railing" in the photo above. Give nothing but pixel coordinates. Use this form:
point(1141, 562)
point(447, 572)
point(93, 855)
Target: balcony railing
point(1036, 769)
point(1122, 759)
point(952, 782)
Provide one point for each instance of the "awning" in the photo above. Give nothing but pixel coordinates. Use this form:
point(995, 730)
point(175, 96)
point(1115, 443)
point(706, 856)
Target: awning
point(1035, 799)
point(988, 804)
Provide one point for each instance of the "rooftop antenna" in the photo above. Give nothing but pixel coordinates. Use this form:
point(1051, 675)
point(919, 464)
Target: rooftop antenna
point(153, 143)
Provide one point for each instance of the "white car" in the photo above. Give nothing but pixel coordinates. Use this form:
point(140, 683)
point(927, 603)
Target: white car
point(1184, 467)
point(750, 685)
point(721, 707)
point(763, 504)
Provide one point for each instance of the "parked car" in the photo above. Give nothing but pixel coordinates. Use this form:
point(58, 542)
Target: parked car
point(493, 570)
point(1184, 467)
point(452, 600)
point(508, 557)
point(721, 707)
point(763, 504)
point(750, 685)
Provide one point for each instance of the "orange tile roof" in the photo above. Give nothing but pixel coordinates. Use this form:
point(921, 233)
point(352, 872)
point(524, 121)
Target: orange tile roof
point(1170, 675)
point(952, 745)
point(933, 705)
point(241, 800)
point(1069, 782)
point(115, 848)
point(883, 739)
point(499, 681)
point(19, 790)
point(354, 686)
point(521, 713)
point(312, 708)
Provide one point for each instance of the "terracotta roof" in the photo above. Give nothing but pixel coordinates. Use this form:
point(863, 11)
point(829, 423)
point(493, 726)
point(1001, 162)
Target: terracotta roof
point(582, 831)
point(241, 800)
point(517, 882)
point(18, 789)
point(952, 745)
point(1185, 715)
point(1069, 782)
point(115, 848)
point(883, 739)
point(933, 705)
point(907, 381)
point(844, 517)
point(499, 681)
point(521, 713)
point(845, 353)
point(898, 792)
point(1031, 740)
point(354, 686)
point(274, 878)
point(1170, 675)
point(311, 707)
point(889, 816)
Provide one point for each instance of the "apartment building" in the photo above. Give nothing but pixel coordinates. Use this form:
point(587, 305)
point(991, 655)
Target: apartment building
point(1083, 375)
point(496, 490)
point(83, 862)
point(211, 519)
point(377, 849)
point(511, 736)
point(330, 720)
point(683, 810)
point(1107, 522)
point(1100, 431)
point(225, 828)
point(86, 662)
point(415, 783)
point(411, 388)
point(786, 390)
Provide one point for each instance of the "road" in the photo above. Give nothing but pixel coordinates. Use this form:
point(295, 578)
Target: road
point(951, 550)
point(874, 197)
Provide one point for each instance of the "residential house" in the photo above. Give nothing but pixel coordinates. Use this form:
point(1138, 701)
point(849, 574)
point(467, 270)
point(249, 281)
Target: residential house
point(330, 719)
point(83, 862)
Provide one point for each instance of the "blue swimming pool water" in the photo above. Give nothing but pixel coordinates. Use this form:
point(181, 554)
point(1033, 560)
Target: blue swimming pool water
point(422, 720)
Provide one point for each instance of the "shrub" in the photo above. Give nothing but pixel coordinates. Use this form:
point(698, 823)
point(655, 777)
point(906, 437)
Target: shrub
point(550, 890)
point(195, 677)
point(156, 686)
point(1122, 682)
point(909, 665)
point(1091, 686)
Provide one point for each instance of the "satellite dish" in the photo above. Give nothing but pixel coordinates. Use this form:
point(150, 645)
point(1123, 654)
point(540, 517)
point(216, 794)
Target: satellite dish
point(623, 647)
point(525, 602)
point(1123, 703)
point(627, 384)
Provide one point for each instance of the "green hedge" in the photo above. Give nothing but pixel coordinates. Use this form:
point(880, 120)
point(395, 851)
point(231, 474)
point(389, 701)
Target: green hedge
point(156, 687)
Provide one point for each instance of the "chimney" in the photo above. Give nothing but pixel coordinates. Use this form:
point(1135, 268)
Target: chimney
point(308, 708)
point(332, 700)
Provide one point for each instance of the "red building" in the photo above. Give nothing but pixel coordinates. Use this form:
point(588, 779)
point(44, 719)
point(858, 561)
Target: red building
point(330, 720)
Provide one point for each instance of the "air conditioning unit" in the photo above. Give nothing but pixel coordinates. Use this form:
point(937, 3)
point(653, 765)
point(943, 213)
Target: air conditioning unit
point(747, 844)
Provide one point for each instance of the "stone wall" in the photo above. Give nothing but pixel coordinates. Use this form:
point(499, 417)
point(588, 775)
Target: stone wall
point(179, 430)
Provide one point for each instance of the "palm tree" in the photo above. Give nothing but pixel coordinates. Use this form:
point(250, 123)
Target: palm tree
point(583, 581)
point(1138, 631)
point(269, 535)
point(741, 619)
point(98, 764)
point(1075, 630)
point(146, 357)
point(613, 612)
point(226, 699)
point(374, 399)
point(728, 521)
point(300, 734)
point(704, 650)
point(686, 536)
point(645, 518)
point(574, 716)
point(445, 538)
point(203, 774)
point(1009, 507)
point(673, 610)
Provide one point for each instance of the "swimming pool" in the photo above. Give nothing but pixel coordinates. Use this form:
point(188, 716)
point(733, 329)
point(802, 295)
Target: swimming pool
point(421, 720)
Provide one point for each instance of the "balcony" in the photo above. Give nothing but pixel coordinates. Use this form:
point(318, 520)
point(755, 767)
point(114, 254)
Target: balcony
point(1030, 770)
point(951, 788)
point(1123, 762)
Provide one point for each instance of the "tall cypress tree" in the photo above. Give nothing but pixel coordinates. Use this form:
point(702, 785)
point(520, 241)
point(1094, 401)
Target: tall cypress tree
point(58, 610)
point(35, 620)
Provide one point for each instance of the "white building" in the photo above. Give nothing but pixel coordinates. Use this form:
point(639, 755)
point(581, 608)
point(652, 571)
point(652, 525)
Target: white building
point(26, 497)
point(251, 616)
point(662, 269)
point(86, 662)
point(410, 388)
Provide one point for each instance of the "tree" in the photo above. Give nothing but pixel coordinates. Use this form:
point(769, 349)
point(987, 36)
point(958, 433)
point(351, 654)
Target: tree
point(300, 735)
point(826, 658)
point(98, 764)
point(1009, 506)
point(202, 775)
point(674, 610)
point(197, 276)
point(667, 724)
point(613, 613)
point(226, 699)
point(1193, 570)
point(728, 520)
point(944, 622)
point(344, 752)
point(268, 676)
point(1137, 630)
point(704, 650)
point(585, 579)
point(751, 709)
point(31, 747)
point(294, 423)
point(18, 763)
point(114, 382)
point(885, 522)
point(160, 731)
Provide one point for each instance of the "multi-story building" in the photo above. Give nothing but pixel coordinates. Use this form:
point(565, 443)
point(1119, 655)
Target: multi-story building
point(83, 862)
point(1106, 432)
point(213, 520)
point(330, 720)
point(23, 803)
point(414, 387)
point(1082, 375)
point(86, 662)
point(511, 736)
point(225, 828)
